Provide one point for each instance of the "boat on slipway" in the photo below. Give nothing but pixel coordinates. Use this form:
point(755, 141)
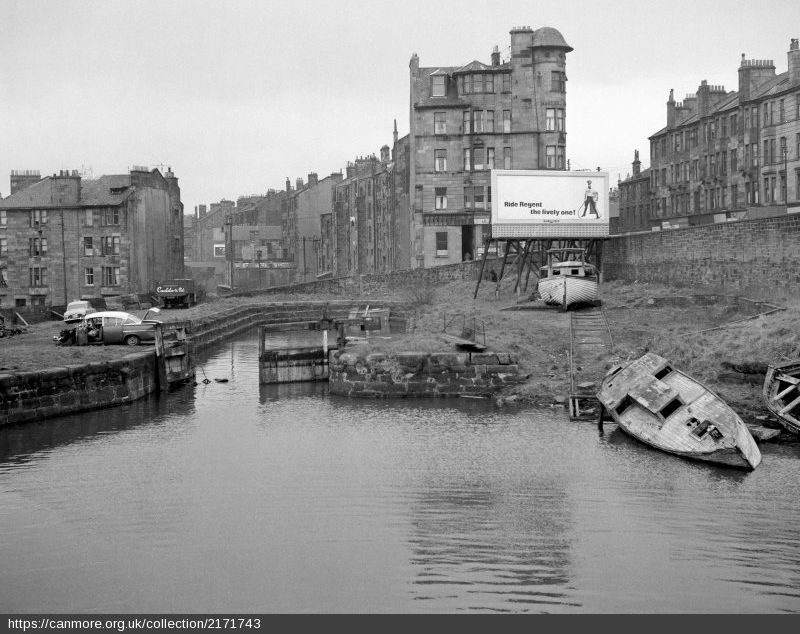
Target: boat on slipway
point(568, 279)
point(669, 410)
point(782, 394)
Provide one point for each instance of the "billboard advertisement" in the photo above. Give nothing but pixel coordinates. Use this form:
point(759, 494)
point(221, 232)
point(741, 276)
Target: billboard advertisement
point(219, 250)
point(549, 204)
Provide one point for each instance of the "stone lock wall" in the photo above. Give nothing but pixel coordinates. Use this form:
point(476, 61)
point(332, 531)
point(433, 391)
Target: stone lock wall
point(30, 396)
point(419, 374)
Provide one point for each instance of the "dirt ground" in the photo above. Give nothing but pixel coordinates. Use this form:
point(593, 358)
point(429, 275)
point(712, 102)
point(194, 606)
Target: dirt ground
point(641, 317)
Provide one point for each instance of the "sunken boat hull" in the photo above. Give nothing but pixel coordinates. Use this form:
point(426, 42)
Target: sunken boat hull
point(669, 410)
point(782, 394)
point(568, 291)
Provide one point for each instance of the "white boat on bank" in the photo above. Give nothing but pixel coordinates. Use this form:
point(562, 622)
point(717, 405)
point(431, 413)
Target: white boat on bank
point(669, 410)
point(568, 279)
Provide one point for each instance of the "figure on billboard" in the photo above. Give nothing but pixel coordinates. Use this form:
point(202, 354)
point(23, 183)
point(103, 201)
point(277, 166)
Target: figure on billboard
point(590, 201)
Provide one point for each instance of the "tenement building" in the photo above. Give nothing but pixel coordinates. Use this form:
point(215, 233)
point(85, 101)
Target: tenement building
point(729, 155)
point(633, 196)
point(466, 121)
point(63, 238)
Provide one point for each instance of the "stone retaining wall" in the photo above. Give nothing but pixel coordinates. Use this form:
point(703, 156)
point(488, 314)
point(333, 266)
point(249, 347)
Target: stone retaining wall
point(416, 374)
point(30, 396)
point(758, 254)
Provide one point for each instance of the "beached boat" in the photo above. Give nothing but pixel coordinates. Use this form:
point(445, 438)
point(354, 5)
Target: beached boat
point(668, 410)
point(782, 393)
point(568, 279)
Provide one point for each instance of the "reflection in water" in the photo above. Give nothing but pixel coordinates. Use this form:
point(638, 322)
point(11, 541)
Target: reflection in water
point(235, 497)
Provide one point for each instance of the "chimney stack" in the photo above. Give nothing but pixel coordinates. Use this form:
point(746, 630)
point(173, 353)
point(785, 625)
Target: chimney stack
point(313, 179)
point(298, 183)
point(496, 56)
point(20, 179)
point(794, 62)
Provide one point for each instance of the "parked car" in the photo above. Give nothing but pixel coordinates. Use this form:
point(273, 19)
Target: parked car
point(77, 310)
point(114, 326)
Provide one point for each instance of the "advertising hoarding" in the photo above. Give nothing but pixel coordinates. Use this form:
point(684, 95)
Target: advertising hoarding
point(549, 204)
point(219, 250)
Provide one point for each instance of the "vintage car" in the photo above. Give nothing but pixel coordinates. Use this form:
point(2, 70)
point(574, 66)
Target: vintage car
point(113, 326)
point(77, 310)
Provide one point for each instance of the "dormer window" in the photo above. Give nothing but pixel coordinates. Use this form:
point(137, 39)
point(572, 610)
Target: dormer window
point(438, 86)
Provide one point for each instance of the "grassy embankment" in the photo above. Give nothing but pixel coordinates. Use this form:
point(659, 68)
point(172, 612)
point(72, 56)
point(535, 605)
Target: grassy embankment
point(638, 319)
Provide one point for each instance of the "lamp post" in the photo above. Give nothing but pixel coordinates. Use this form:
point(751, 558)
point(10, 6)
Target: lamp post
point(229, 247)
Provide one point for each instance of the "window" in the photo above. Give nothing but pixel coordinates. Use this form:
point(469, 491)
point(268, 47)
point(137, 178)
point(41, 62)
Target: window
point(38, 217)
point(477, 194)
point(490, 157)
point(37, 247)
point(723, 127)
point(441, 244)
point(489, 122)
point(477, 158)
point(488, 83)
point(110, 217)
point(3, 218)
point(507, 83)
point(467, 159)
point(767, 198)
point(440, 197)
point(506, 158)
point(88, 218)
point(87, 245)
point(3, 277)
point(551, 157)
point(3, 247)
point(734, 160)
point(558, 81)
point(438, 85)
point(38, 276)
point(754, 153)
point(734, 124)
point(440, 160)
point(477, 121)
point(88, 276)
point(781, 111)
point(550, 119)
point(468, 197)
point(506, 121)
point(109, 245)
point(466, 118)
point(560, 125)
point(440, 123)
point(110, 276)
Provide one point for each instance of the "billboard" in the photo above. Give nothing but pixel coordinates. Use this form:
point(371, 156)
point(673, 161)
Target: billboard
point(219, 250)
point(549, 204)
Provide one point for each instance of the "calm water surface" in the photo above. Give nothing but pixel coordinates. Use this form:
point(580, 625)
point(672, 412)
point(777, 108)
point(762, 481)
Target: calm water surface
point(230, 497)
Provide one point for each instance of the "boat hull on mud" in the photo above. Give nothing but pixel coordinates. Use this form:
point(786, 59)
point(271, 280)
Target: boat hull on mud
point(668, 410)
point(782, 394)
point(568, 290)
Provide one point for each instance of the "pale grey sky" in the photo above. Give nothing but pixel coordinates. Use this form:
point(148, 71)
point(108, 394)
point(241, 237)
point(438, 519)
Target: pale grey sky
point(236, 95)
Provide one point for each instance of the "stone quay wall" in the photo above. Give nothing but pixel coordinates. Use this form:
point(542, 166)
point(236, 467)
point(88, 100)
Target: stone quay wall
point(417, 374)
point(744, 255)
point(31, 396)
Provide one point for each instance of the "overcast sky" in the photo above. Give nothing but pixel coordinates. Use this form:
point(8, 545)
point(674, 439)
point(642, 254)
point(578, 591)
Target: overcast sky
point(237, 95)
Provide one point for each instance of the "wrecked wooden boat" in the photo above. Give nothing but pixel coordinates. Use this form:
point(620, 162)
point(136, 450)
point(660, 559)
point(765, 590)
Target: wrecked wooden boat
point(782, 394)
point(669, 410)
point(568, 279)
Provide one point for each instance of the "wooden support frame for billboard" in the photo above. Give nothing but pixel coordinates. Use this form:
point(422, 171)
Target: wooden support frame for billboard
point(528, 255)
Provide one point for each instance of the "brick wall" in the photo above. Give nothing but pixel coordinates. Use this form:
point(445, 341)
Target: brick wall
point(749, 254)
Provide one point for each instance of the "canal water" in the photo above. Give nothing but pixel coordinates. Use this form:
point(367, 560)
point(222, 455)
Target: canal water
point(230, 497)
